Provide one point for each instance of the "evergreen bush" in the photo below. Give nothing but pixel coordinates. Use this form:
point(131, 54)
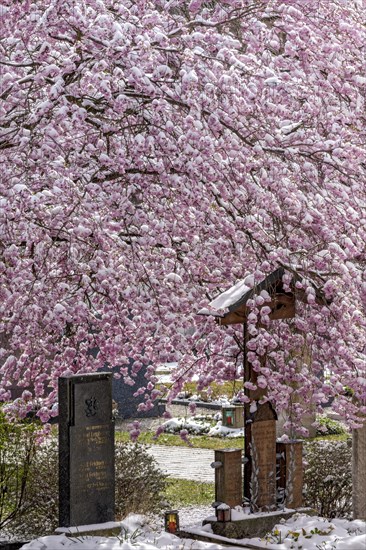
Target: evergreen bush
point(328, 478)
point(139, 487)
point(17, 451)
point(140, 484)
point(328, 426)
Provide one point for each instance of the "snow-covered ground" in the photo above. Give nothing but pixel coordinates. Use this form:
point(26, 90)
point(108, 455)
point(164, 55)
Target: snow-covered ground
point(299, 532)
point(139, 532)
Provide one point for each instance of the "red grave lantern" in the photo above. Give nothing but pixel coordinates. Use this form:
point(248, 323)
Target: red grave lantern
point(171, 521)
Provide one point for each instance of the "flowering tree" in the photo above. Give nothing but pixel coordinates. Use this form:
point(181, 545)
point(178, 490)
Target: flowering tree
point(153, 153)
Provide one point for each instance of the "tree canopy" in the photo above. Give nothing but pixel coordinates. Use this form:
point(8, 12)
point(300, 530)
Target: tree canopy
point(155, 153)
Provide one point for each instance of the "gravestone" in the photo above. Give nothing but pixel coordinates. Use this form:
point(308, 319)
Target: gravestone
point(228, 477)
point(86, 450)
point(127, 402)
point(260, 433)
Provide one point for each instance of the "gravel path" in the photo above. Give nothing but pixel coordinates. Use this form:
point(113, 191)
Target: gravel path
point(185, 462)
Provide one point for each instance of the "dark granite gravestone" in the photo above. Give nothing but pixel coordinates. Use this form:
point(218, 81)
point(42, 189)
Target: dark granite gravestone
point(86, 450)
point(127, 403)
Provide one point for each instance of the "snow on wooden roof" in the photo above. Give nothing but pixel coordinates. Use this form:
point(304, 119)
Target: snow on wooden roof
point(230, 305)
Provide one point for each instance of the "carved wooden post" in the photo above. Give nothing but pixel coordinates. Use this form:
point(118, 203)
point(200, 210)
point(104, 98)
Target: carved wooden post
point(260, 459)
point(290, 472)
point(228, 476)
point(260, 427)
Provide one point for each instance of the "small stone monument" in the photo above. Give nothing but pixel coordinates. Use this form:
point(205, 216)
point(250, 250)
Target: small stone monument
point(86, 450)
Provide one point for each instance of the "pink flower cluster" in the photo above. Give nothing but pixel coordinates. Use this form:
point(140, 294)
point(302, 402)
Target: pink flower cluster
point(151, 156)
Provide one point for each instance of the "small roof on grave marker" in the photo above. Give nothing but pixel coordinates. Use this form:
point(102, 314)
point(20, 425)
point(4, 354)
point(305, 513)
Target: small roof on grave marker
point(230, 306)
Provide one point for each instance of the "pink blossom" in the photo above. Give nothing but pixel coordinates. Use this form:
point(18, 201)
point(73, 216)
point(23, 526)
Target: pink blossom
point(153, 158)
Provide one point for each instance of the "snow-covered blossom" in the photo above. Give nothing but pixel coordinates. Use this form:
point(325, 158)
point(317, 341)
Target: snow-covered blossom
point(153, 157)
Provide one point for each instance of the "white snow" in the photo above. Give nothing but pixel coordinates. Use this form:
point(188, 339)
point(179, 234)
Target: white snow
point(136, 532)
point(193, 426)
point(300, 531)
point(230, 296)
point(198, 424)
point(272, 81)
point(223, 431)
point(174, 278)
point(253, 407)
point(20, 187)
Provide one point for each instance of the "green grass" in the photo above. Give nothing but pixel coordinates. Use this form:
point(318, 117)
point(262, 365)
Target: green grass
point(184, 492)
point(206, 442)
point(197, 441)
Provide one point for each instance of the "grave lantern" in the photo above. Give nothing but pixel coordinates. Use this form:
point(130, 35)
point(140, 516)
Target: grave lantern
point(223, 513)
point(228, 417)
point(232, 417)
point(171, 521)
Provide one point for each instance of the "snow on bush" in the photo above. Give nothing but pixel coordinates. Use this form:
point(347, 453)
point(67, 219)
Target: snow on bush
point(139, 487)
point(316, 533)
point(196, 425)
point(223, 431)
point(201, 425)
point(328, 478)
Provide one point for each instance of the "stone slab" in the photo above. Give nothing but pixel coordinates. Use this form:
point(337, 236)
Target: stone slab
point(255, 525)
point(108, 529)
point(127, 403)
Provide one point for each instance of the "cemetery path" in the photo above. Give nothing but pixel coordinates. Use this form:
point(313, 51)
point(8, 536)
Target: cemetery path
point(185, 463)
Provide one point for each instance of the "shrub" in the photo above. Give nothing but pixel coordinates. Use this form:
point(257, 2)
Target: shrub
point(17, 450)
point(328, 478)
point(140, 485)
point(195, 425)
point(39, 515)
point(328, 426)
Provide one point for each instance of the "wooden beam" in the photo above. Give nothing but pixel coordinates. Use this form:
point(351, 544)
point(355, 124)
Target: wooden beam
point(282, 306)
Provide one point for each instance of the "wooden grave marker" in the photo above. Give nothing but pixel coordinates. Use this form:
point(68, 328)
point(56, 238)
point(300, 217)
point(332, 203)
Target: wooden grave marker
point(260, 428)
